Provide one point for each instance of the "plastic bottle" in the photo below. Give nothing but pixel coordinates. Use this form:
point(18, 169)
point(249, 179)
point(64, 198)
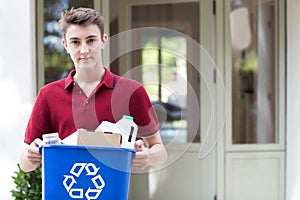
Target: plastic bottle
point(128, 130)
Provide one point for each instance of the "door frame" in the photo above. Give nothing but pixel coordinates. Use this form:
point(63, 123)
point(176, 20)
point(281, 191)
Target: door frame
point(208, 168)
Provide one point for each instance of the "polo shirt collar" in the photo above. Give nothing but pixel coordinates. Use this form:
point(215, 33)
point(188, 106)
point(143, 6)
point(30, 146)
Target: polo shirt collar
point(108, 79)
point(69, 79)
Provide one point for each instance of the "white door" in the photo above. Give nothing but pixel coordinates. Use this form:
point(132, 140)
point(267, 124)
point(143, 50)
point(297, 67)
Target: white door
point(255, 150)
point(168, 46)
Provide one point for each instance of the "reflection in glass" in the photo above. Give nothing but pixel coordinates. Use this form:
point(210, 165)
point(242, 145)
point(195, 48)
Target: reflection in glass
point(168, 78)
point(56, 61)
point(253, 39)
point(164, 75)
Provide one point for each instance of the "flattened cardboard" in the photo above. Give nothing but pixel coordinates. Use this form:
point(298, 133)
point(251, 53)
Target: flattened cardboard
point(97, 138)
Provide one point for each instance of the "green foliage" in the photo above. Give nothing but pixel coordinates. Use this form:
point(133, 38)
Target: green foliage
point(58, 60)
point(28, 186)
point(249, 63)
point(173, 53)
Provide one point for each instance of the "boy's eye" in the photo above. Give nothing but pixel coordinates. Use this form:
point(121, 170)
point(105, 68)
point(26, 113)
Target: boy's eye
point(75, 42)
point(91, 40)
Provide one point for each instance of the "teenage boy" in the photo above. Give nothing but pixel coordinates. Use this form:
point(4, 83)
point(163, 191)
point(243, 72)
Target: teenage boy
point(89, 95)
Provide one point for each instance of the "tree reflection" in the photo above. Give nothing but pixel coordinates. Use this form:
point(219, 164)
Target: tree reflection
point(56, 60)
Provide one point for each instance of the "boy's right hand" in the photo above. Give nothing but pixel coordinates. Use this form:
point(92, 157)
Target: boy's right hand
point(32, 152)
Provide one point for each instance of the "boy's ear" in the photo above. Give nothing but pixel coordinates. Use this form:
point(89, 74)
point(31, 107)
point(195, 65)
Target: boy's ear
point(104, 40)
point(64, 43)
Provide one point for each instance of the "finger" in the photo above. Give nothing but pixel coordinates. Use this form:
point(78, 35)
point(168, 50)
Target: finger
point(141, 160)
point(35, 160)
point(34, 157)
point(37, 142)
point(140, 155)
point(33, 149)
point(138, 145)
point(139, 165)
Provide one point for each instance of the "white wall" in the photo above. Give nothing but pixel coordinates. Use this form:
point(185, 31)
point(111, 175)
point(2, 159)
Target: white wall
point(293, 100)
point(16, 84)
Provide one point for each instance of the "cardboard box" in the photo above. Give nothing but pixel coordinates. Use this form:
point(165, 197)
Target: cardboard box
point(93, 138)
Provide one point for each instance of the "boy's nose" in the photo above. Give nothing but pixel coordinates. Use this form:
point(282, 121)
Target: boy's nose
point(84, 48)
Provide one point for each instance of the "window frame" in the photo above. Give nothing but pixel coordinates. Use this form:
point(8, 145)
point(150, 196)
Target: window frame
point(280, 123)
point(100, 6)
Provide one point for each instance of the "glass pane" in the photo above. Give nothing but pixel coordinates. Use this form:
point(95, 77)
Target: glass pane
point(56, 61)
point(164, 64)
point(254, 92)
point(171, 66)
point(164, 75)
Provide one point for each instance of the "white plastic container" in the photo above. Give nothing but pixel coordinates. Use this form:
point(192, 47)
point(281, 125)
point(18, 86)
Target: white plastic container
point(129, 130)
point(51, 138)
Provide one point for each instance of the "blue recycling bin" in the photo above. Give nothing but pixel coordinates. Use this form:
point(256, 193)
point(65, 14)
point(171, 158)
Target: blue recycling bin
point(85, 172)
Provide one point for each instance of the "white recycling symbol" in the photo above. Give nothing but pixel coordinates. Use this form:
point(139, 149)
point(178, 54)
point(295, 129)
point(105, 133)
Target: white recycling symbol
point(78, 193)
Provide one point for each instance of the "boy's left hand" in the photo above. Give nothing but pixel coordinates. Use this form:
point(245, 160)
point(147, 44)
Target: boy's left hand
point(142, 156)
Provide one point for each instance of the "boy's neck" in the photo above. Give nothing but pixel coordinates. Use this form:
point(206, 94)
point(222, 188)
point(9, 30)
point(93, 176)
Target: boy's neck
point(89, 77)
point(88, 81)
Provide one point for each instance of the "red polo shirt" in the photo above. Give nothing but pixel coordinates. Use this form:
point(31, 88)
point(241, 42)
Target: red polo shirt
point(62, 107)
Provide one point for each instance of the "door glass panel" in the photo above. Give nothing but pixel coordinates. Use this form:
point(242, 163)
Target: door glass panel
point(254, 71)
point(56, 61)
point(170, 80)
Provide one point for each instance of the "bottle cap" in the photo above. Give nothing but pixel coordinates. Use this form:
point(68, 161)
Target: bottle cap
point(128, 117)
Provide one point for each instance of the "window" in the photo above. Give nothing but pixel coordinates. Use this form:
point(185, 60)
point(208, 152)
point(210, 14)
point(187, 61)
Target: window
point(255, 74)
point(55, 60)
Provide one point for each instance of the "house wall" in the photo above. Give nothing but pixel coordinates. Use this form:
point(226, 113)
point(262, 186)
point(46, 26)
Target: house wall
point(293, 101)
point(17, 84)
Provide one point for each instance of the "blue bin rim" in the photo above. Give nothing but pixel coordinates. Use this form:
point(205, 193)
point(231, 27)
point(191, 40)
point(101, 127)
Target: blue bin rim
point(64, 146)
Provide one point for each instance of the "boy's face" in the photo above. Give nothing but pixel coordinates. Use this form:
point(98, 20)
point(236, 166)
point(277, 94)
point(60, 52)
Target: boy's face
point(84, 44)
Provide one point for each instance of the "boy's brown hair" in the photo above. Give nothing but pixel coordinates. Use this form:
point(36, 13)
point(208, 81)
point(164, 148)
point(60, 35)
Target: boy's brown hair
point(81, 16)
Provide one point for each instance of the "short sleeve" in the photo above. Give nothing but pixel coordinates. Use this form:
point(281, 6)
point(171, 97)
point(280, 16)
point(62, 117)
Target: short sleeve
point(130, 98)
point(143, 112)
point(38, 123)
